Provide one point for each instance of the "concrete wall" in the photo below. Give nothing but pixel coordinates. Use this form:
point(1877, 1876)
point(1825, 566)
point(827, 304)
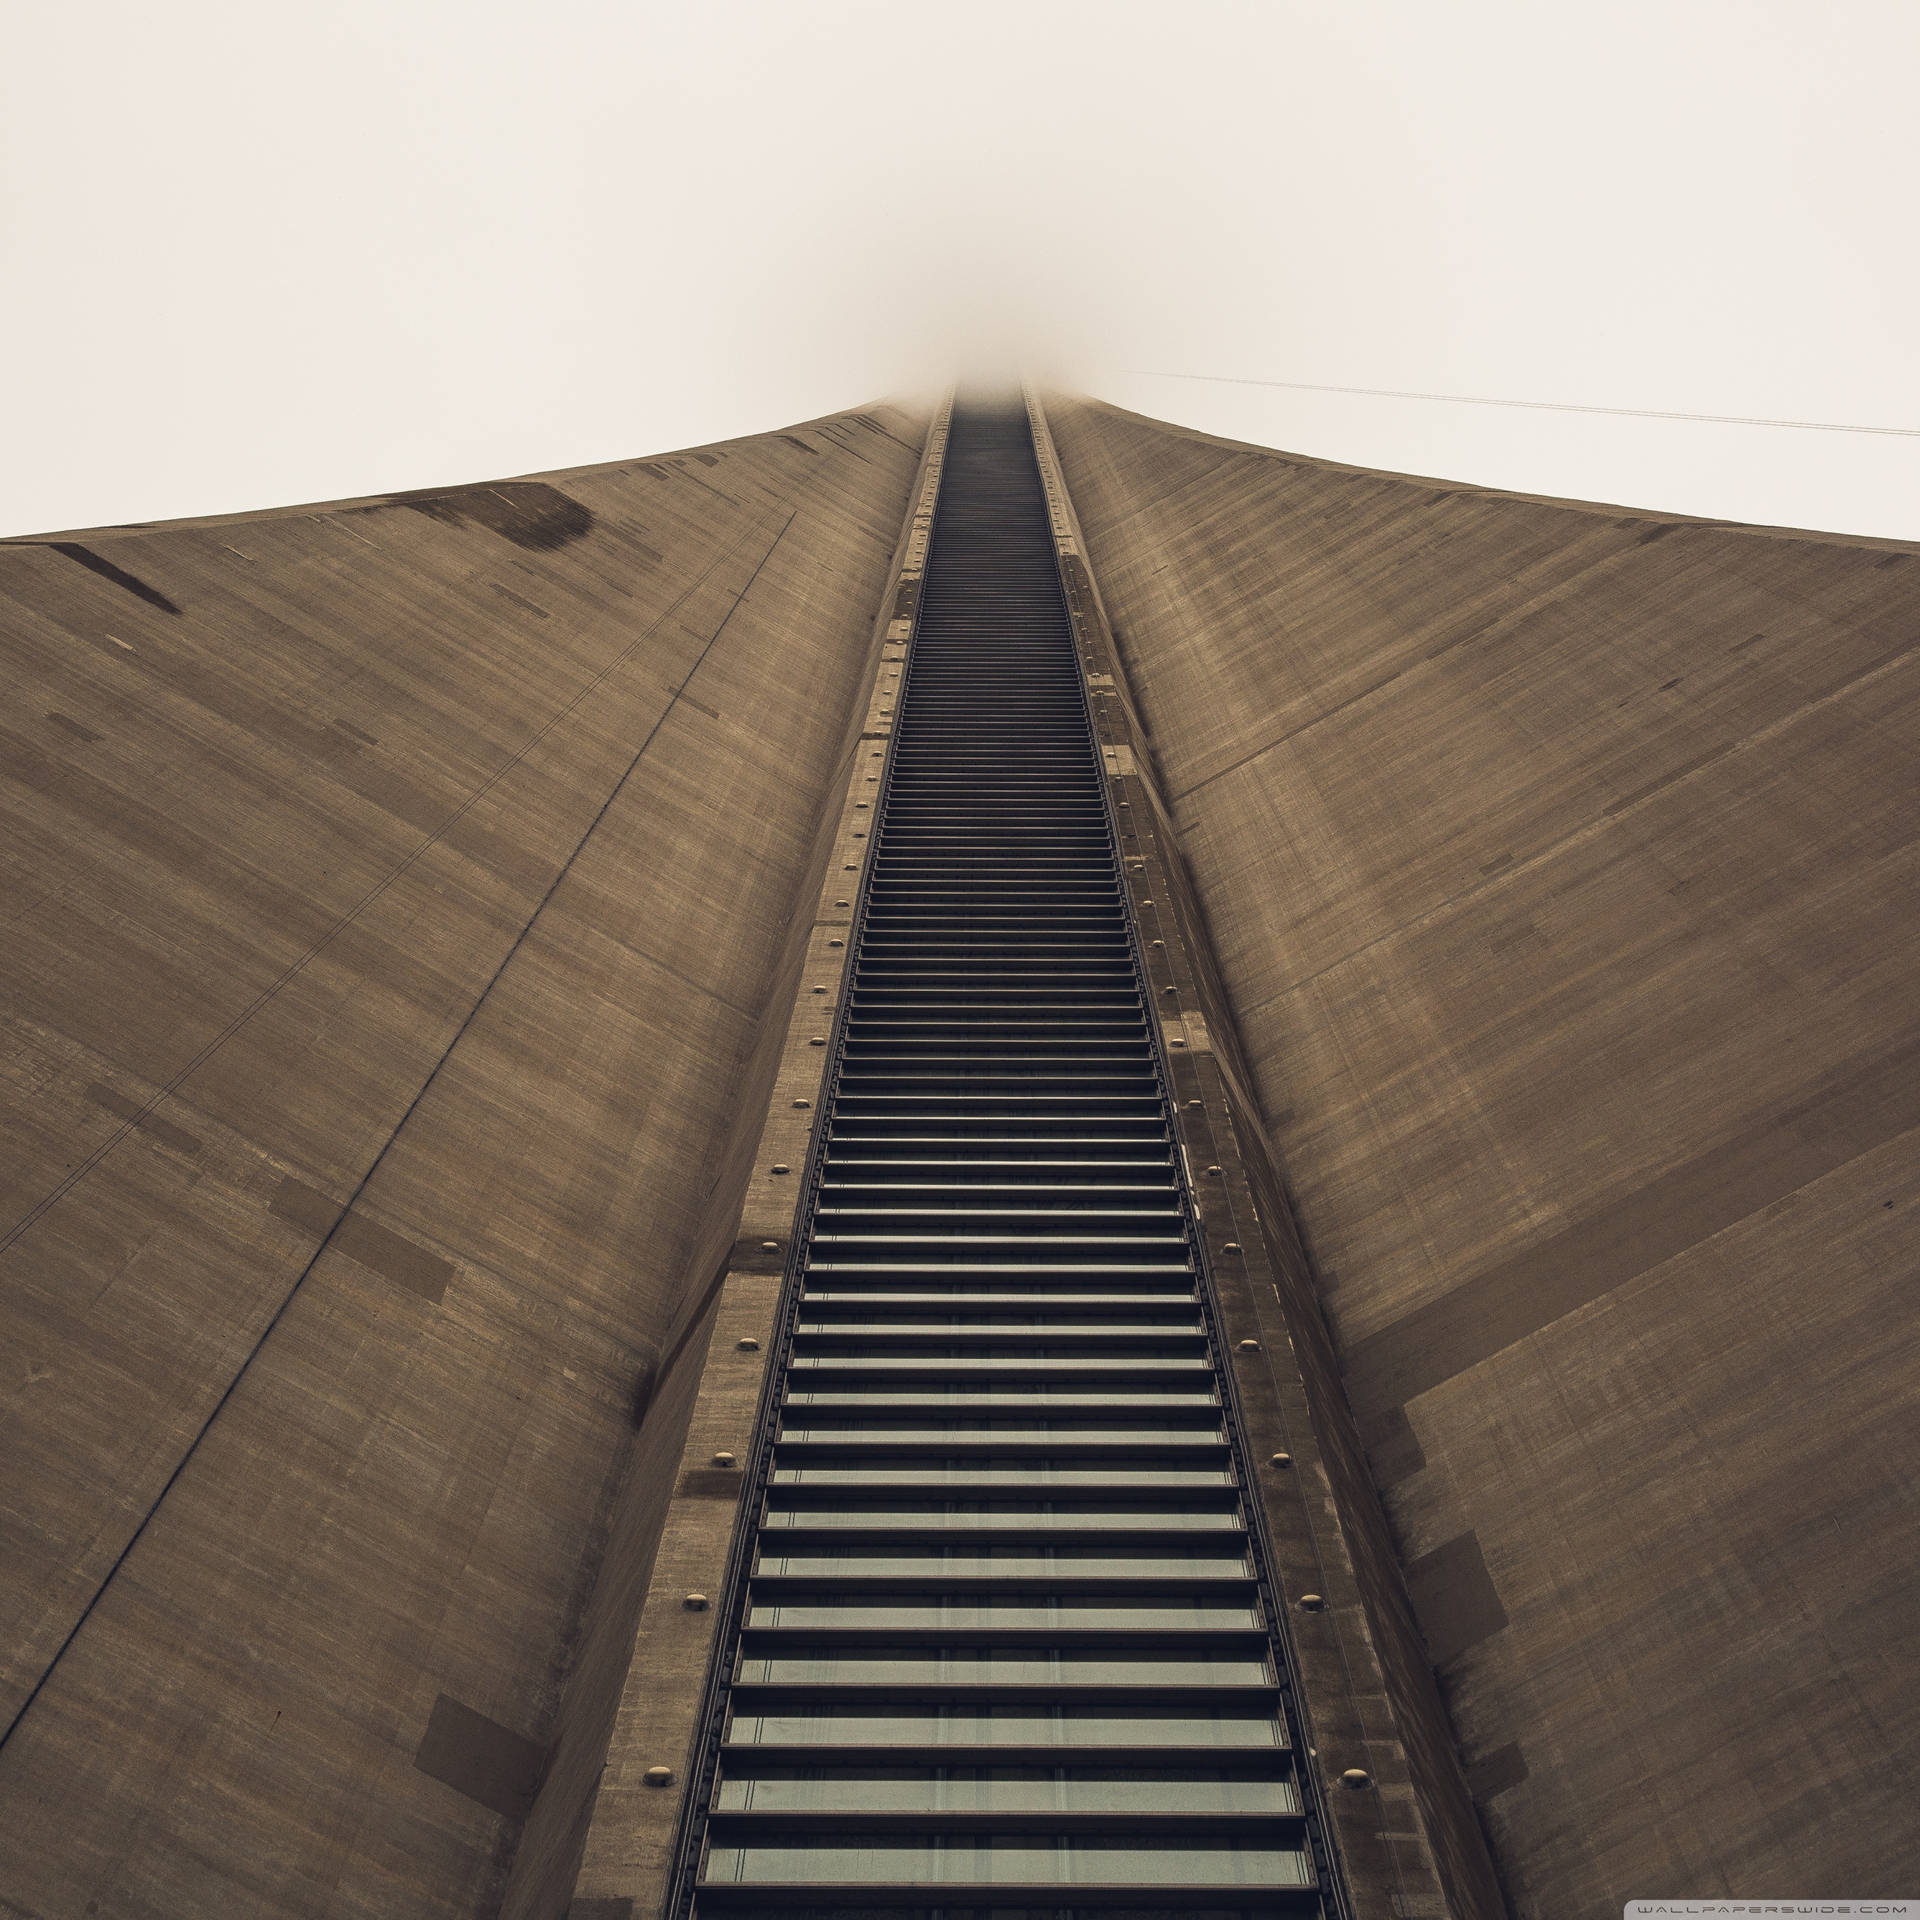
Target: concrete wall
point(1560, 862)
point(394, 891)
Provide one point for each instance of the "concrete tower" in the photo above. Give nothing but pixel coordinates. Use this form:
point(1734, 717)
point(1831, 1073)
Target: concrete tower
point(415, 906)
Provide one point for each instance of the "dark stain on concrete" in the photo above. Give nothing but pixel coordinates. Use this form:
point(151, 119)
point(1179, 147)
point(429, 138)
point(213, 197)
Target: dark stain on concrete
point(306, 1207)
point(530, 513)
point(1454, 1598)
point(380, 1250)
point(1393, 1449)
point(710, 1483)
point(393, 1257)
point(118, 1104)
point(1503, 1768)
point(130, 582)
point(479, 1757)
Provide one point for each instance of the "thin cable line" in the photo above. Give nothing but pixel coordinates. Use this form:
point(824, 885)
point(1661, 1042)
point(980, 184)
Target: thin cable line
point(426, 1087)
point(1541, 406)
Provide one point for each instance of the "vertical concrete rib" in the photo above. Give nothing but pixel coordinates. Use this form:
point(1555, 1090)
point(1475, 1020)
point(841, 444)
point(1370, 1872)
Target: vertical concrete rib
point(602, 1831)
point(1001, 1632)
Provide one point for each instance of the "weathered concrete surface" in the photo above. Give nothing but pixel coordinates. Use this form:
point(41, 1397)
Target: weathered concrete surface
point(1409, 1841)
point(1561, 862)
point(430, 858)
point(601, 1838)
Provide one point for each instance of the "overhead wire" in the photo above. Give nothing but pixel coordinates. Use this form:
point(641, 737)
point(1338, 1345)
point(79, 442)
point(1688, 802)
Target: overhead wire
point(1542, 406)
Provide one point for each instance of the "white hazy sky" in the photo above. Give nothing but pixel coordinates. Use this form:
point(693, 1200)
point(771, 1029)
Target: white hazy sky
point(258, 254)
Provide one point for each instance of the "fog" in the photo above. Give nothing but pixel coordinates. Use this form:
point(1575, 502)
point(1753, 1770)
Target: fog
point(260, 255)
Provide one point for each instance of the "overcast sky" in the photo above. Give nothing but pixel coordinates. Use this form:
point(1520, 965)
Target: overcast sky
point(258, 254)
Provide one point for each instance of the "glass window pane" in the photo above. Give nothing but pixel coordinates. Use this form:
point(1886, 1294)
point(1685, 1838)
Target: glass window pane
point(993, 1473)
point(1016, 1360)
point(1001, 1790)
point(1004, 1725)
point(953, 1614)
point(850, 1430)
point(1006, 1860)
point(1005, 1563)
point(1015, 1394)
point(1002, 1666)
point(901, 1516)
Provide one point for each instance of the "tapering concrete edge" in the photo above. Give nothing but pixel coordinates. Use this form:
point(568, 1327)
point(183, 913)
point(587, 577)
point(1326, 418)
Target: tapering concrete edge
point(1411, 1842)
point(1439, 483)
point(608, 1840)
point(550, 476)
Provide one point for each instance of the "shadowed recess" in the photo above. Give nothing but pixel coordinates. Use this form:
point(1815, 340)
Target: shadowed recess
point(479, 1757)
point(118, 575)
point(530, 513)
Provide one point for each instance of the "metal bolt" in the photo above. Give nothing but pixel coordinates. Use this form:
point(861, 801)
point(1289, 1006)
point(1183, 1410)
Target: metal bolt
point(780, 1166)
point(803, 1103)
point(1232, 1246)
point(658, 1776)
point(1156, 943)
point(748, 1345)
point(842, 903)
point(837, 943)
point(769, 1246)
point(1249, 1346)
point(695, 1603)
point(723, 1459)
point(1169, 989)
point(1193, 1106)
point(1312, 1603)
point(819, 989)
point(819, 1041)
point(1355, 1778)
point(1281, 1460)
point(1213, 1170)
